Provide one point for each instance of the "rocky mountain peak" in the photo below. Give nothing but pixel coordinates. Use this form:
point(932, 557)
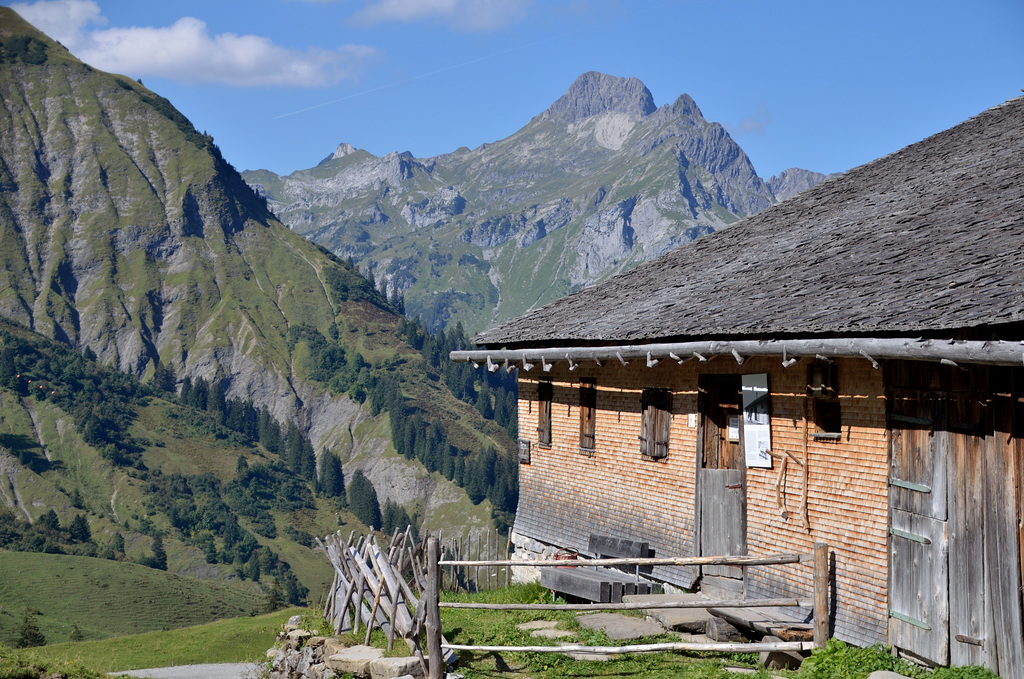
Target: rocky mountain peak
point(343, 150)
point(790, 182)
point(594, 94)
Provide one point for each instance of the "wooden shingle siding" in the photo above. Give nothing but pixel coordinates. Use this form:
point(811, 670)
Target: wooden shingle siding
point(565, 497)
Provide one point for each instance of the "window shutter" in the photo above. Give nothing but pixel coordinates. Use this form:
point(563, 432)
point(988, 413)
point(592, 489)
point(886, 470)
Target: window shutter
point(664, 424)
point(588, 404)
point(655, 421)
point(646, 415)
point(544, 397)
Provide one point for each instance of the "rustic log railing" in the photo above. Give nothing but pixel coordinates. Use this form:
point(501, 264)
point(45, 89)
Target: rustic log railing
point(370, 588)
point(431, 604)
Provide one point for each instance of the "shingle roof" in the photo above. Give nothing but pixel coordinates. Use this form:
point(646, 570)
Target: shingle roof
point(928, 238)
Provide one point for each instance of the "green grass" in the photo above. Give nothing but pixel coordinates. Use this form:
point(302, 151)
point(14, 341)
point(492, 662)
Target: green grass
point(498, 628)
point(225, 641)
point(108, 598)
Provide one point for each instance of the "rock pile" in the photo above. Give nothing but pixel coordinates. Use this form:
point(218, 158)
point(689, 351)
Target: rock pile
point(299, 654)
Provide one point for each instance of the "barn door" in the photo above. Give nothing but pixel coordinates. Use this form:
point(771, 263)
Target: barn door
point(969, 428)
point(723, 498)
point(918, 541)
point(956, 508)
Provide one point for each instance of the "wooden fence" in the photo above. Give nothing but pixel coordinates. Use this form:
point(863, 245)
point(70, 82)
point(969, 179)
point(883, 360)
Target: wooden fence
point(436, 645)
point(397, 587)
point(481, 547)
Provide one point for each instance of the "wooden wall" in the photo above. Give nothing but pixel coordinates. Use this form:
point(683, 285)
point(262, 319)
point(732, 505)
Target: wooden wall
point(565, 495)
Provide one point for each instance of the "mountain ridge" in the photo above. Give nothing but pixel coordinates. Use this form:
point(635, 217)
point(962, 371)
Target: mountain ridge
point(125, 233)
point(595, 184)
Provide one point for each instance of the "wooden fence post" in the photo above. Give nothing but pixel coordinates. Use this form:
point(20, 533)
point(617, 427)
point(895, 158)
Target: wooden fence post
point(431, 599)
point(820, 594)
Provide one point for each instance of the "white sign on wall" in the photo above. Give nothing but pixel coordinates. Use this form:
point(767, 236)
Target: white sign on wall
point(757, 431)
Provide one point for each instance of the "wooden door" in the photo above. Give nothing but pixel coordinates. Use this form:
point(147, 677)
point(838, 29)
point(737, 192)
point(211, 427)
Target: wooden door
point(969, 623)
point(722, 473)
point(918, 539)
point(956, 547)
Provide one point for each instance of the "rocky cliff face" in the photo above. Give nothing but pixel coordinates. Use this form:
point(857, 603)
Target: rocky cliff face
point(599, 182)
point(788, 183)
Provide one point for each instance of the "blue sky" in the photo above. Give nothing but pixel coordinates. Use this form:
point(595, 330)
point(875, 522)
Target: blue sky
point(280, 83)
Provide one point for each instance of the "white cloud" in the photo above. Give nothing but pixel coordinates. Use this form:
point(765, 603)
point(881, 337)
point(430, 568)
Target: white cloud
point(186, 52)
point(62, 20)
point(462, 15)
point(757, 122)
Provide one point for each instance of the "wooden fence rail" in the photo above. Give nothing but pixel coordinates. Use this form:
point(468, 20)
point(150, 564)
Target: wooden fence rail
point(431, 602)
point(376, 582)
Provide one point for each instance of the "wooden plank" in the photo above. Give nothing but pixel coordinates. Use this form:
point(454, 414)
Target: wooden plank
point(606, 546)
point(918, 587)
point(781, 624)
point(723, 532)
point(969, 621)
point(918, 443)
point(1002, 548)
point(580, 583)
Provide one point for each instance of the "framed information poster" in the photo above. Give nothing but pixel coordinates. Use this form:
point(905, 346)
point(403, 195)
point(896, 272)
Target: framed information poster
point(757, 431)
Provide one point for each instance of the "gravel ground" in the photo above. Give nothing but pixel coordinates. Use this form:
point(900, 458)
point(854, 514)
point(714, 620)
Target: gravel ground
point(221, 671)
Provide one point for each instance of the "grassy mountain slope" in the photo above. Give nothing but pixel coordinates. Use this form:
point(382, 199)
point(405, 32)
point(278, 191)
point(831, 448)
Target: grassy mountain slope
point(124, 233)
point(106, 598)
point(225, 495)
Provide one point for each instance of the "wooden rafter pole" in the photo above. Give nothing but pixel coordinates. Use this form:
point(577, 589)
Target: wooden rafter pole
point(995, 352)
point(635, 606)
point(724, 647)
point(769, 560)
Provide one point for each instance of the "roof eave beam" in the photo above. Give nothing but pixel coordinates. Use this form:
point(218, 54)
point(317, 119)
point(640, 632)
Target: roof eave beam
point(943, 350)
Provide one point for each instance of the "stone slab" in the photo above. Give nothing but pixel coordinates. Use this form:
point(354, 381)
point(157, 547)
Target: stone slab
point(537, 624)
point(679, 619)
point(618, 626)
point(689, 637)
point(354, 660)
point(552, 633)
point(391, 668)
point(885, 674)
point(780, 660)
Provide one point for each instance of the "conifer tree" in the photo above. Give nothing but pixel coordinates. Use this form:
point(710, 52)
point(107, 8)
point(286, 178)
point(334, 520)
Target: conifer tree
point(362, 500)
point(159, 558)
point(331, 482)
point(29, 634)
point(79, 529)
point(49, 520)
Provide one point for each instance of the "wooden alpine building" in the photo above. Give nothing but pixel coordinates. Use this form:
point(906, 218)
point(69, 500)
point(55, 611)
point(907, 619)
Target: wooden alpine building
point(845, 367)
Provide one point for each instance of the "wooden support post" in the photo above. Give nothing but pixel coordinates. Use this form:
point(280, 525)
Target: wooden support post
point(373, 610)
point(820, 594)
point(431, 599)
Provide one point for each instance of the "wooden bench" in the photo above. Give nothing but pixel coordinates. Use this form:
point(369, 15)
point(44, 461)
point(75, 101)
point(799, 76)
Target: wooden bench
point(601, 585)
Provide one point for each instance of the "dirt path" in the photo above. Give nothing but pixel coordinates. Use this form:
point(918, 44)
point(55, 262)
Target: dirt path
point(220, 671)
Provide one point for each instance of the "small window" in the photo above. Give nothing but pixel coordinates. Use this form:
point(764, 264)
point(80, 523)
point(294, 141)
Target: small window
point(655, 423)
point(822, 383)
point(588, 408)
point(544, 393)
